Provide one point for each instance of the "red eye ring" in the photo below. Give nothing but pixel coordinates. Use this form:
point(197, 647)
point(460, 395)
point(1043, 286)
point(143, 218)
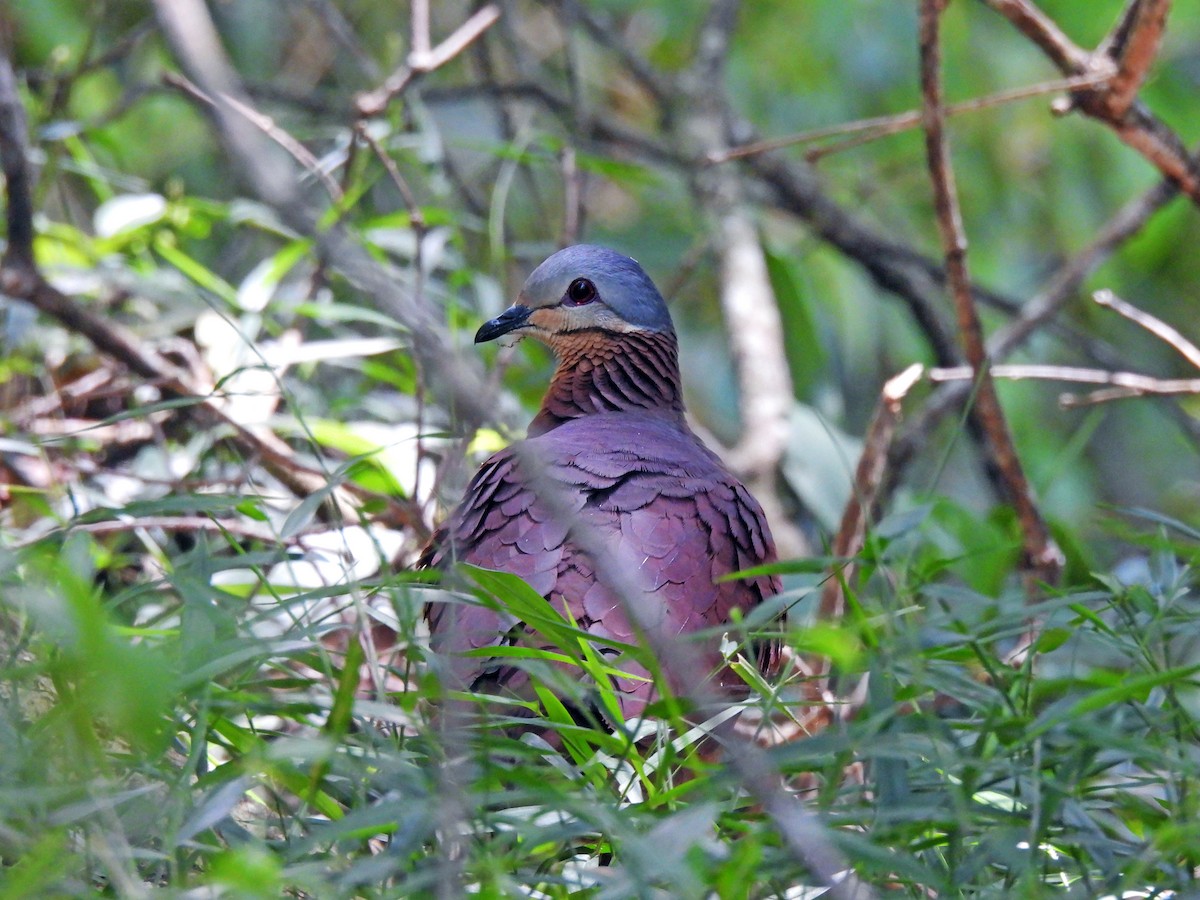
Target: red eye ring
point(580, 291)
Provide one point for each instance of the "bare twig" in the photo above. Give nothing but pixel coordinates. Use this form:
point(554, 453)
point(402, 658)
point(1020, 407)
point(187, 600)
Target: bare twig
point(796, 189)
point(111, 339)
point(1114, 101)
point(1135, 46)
point(1043, 31)
point(1043, 557)
point(1058, 290)
point(606, 32)
point(422, 59)
point(1119, 385)
point(18, 254)
point(416, 217)
point(252, 531)
point(573, 197)
point(1108, 395)
point(21, 279)
point(343, 34)
point(267, 126)
point(1156, 327)
point(868, 476)
point(1130, 384)
point(422, 37)
point(456, 380)
point(880, 126)
point(1062, 286)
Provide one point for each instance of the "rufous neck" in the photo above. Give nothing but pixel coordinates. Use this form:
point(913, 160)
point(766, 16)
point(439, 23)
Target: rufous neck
point(602, 372)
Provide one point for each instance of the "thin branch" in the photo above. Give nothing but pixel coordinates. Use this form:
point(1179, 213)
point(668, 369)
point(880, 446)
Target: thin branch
point(457, 381)
point(1118, 35)
point(1120, 385)
point(1156, 327)
point(868, 477)
point(343, 34)
point(422, 36)
point(21, 280)
point(416, 217)
point(419, 63)
point(252, 531)
point(894, 266)
point(1043, 557)
point(1161, 147)
point(1134, 383)
point(18, 255)
point(880, 126)
point(607, 32)
point(266, 125)
point(1058, 290)
point(1114, 102)
point(1135, 48)
point(1043, 31)
point(27, 284)
point(1062, 286)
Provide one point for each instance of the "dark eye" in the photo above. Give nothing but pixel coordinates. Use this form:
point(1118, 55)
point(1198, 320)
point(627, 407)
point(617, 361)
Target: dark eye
point(581, 291)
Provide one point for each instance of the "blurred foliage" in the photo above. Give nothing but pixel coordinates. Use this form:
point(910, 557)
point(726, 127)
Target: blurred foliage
point(196, 690)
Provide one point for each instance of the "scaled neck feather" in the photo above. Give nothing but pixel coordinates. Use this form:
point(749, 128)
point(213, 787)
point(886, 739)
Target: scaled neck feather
point(600, 371)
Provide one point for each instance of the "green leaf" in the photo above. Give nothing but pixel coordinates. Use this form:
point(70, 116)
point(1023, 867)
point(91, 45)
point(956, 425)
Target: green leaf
point(197, 272)
point(804, 345)
point(1129, 688)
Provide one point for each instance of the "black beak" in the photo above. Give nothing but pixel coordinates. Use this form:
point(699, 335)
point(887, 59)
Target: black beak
point(509, 320)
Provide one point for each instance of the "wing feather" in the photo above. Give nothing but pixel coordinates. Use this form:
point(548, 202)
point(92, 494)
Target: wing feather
point(655, 493)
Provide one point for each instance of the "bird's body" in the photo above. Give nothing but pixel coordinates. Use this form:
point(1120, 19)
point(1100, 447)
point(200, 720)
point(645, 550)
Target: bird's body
point(609, 451)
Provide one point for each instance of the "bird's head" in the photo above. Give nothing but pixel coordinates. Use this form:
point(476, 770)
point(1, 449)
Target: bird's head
point(580, 291)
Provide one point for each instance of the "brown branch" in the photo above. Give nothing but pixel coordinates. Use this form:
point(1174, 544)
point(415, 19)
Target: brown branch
point(266, 125)
point(112, 340)
point(604, 30)
point(1159, 145)
point(868, 477)
point(881, 126)
point(423, 60)
point(1058, 290)
point(894, 266)
point(1042, 557)
point(416, 218)
point(18, 255)
point(248, 530)
point(1114, 102)
point(796, 189)
point(1120, 385)
point(1043, 31)
point(454, 379)
point(19, 274)
point(1131, 384)
point(1066, 281)
point(1155, 326)
point(1135, 45)
point(21, 279)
